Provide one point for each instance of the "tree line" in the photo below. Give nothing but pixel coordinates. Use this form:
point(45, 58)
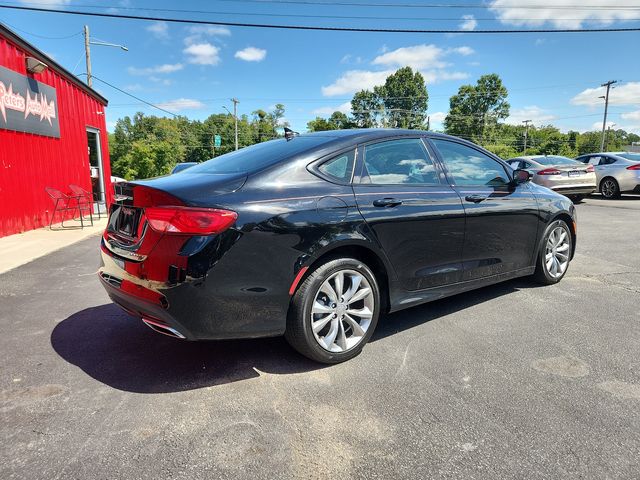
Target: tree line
point(146, 146)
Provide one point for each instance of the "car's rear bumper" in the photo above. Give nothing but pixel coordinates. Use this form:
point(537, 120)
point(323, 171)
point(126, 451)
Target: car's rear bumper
point(575, 189)
point(211, 308)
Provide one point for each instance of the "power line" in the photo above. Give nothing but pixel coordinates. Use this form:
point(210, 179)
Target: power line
point(132, 96)
point(294, 15)
point(312, 27)
point(433, 5)
point(42, 36)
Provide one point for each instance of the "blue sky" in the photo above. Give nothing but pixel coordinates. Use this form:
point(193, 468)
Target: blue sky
point(194, 70)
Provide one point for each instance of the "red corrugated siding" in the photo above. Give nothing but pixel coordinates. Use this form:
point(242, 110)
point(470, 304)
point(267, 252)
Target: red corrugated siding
point(29, 163)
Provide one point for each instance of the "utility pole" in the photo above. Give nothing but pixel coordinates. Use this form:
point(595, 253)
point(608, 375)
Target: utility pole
point(526, 134)
point(606, 106)
point(235, 116)
point(87, 52)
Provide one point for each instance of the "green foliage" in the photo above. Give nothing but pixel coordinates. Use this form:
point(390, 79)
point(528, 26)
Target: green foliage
point(337, 121)
point(405, 99)
point(476, 109)
point(367, 109)
point(148, 146)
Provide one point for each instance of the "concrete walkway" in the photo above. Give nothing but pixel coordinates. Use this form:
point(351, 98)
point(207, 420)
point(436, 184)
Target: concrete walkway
point(16, 250)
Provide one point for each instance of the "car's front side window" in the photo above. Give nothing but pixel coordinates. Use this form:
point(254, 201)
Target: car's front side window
point(403, 161)
point(468, 166)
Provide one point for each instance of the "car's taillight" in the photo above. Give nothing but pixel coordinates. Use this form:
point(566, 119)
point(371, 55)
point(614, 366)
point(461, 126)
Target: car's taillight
point(189, 220)
point(634, 167)
point(549, 171)
point(590, 169)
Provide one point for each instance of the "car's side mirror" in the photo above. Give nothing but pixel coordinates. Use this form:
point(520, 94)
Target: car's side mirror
point(521, 176)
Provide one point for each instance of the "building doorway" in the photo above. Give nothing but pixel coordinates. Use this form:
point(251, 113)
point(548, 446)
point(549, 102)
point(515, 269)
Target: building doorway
point(97, 172)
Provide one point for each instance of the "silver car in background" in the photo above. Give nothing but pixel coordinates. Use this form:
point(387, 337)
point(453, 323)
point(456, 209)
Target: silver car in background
point(561, 174)
point(616, 172)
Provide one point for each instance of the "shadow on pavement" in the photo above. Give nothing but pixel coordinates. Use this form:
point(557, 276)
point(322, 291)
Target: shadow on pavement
point(120, 351)
point(412, 317)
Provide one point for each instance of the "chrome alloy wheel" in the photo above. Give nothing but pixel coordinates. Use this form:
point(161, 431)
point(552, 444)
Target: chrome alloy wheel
point(556, 257)
point(608, 188)
point(342, 311)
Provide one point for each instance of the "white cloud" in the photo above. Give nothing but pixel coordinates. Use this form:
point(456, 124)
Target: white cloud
point(157, 69)
point(436, 120)
point(180, 104)
point(537, 115)
point(202, 54)
point(469, 23)
point(416, 56)
point(464, 51)
point(354, 80)
point(251, 54)
point(578, 12)
point(598, 126)
point(159, 30)
point(48, 3)
point(162, 81)
point(625, 94)
point(198, 33)
point(344, 108)
point(635, 116)
point(135, 87)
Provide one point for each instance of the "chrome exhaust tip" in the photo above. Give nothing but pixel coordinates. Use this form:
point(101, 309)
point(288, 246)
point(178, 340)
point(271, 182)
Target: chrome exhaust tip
point(163, 329)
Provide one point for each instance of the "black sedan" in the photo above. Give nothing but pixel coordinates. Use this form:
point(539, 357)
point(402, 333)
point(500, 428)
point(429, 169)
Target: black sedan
point(315, 236)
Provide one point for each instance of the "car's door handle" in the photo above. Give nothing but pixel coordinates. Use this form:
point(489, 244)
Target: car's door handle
point(387, 202)
point(475, 198)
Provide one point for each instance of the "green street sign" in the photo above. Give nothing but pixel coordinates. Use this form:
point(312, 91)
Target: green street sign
point(217, 140)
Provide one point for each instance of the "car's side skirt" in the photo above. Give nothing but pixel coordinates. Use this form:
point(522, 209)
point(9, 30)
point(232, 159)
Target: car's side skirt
point(401, 299)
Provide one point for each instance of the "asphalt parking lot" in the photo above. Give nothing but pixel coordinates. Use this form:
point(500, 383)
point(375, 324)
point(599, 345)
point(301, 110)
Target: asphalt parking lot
point(511, 381)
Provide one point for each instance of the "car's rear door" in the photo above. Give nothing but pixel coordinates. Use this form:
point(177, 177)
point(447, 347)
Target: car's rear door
point(501, 218)
point(417, 217)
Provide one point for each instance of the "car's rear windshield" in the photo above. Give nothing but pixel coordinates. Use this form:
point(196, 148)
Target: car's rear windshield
point(630, 156)
point(554, 160)
point(259, 156)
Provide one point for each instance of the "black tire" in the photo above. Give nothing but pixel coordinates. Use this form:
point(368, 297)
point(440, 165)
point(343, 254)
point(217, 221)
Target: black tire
point(541, 274)
point(299, 333)
point(609, 188)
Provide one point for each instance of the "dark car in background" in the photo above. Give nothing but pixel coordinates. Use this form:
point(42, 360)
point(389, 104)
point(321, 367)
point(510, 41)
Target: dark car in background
point(616, 172)
point(315, 236)
point(561, 174)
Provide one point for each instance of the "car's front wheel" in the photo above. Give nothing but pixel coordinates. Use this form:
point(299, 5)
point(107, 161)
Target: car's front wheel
point(335, 311)
point(555, 253)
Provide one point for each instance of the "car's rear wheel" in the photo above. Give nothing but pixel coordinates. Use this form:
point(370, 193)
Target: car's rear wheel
point(335, 311)
point(609, 188)
point(555, 254)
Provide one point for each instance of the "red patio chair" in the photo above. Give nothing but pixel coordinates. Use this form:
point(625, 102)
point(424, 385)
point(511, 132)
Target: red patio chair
point(63, 203)
point(85, 199)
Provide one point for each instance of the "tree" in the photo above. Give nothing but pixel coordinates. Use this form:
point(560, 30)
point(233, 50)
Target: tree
point(475, 110)
point(366, 109)
point(337, 121)
point(405, 99)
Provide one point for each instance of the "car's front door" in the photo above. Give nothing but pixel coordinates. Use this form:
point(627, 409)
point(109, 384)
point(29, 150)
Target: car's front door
point(417, 217)
point(501, 218)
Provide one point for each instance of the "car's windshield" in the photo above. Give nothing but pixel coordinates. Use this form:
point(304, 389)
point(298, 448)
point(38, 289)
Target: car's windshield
point(260, 155)
point(554, 160)
point(630, 156)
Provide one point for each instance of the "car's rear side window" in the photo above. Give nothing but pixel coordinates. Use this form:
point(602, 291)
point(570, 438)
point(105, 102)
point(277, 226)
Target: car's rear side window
point(339, 168)
point(261, 155)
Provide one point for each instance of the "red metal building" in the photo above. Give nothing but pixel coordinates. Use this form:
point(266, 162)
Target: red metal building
point(52, 134)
